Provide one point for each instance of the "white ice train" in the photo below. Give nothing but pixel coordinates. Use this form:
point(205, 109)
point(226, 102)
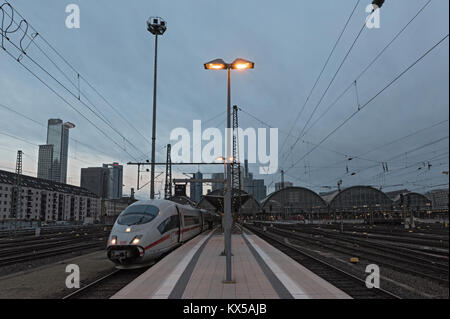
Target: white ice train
point(149, 228)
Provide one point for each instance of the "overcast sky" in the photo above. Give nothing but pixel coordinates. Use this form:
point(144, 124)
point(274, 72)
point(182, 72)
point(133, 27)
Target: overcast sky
point(289, 41)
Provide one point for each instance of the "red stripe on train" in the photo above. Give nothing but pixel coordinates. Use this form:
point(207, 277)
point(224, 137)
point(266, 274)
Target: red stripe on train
point(159, 241)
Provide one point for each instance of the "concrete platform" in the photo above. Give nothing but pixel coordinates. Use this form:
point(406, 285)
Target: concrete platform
point(196, 271)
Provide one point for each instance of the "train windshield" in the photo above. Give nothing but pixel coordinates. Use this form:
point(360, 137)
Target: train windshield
point(137, 215)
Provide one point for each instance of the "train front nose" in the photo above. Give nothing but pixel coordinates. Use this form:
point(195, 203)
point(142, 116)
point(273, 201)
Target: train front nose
point(124, 246)
point(125, 254)
point(130, 233)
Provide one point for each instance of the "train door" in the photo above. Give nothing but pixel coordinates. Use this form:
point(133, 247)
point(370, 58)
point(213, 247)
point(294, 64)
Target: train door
point(180, 225)
point(202, 222)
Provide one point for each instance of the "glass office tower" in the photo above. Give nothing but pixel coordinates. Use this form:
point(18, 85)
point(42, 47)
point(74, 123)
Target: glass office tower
point(197, 188)
point(115, 180)
point(52, 162)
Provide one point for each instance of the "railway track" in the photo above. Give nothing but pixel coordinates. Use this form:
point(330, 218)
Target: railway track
point(19, 250)
point(437, 241)
point(21, 234)
point(39, 245)
point(414, 265)
point(106, 286)
point(34, 255)
point(416, 254)
point(348, 283)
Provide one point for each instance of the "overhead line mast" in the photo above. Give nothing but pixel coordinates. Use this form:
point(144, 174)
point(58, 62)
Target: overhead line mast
point(16, 189)
point(236, 165)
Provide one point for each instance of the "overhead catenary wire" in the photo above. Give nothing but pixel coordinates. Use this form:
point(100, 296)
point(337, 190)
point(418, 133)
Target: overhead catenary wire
point(101, 117)
point(304, 141)
point(43, 125)
point(421, 130)
point(56, 93)
point(372, 62)
point(373, 98)
point(320, 74)
point(73, 107)
point(329, 85)
point(82, 102)
point(393, 172)
point(37, 145)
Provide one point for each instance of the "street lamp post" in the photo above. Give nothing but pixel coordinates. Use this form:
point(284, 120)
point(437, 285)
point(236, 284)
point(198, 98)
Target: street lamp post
point(219, 64)
point(156, 26)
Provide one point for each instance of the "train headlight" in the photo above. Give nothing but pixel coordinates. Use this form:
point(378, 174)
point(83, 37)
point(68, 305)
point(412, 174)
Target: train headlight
point(114, 240)
point(136, 240)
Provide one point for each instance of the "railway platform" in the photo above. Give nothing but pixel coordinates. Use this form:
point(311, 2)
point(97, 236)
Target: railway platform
point(196, 270)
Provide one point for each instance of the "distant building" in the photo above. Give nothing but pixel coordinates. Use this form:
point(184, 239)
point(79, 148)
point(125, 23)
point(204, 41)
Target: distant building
point(115, 180)
point(196, 190)
point(219, 185)
point(439, 198)
point(254, 187)
point(48, 201)
point(111, 208)
point(45, 162)
point(95, 179)
point(259, 189)
point(106, 181)
point(279, 186)
point(52, 159)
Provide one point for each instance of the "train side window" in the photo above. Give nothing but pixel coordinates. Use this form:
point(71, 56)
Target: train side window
point(168, 224)
point(163, 226)
point(191, 220)
point(175, 222)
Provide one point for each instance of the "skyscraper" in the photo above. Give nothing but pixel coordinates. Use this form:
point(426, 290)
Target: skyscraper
point(219, 185)
point(106, 181)
point(197, 188)
point(115, 180)
point(52, 161)
point(95, 179)
point(45, 160)
point(254, 187)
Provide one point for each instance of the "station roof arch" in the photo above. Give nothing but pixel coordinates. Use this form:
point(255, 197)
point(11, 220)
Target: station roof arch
point(357, 197)
point(295, 198)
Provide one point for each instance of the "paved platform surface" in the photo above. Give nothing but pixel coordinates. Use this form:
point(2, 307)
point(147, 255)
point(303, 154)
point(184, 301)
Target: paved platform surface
point(196, 270)
point(49, 281)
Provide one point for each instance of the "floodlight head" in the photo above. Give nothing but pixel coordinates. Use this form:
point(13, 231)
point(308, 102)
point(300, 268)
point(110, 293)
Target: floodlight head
point(241, 64)
point(377, 4)
point(217, 64)
point(156, 25)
